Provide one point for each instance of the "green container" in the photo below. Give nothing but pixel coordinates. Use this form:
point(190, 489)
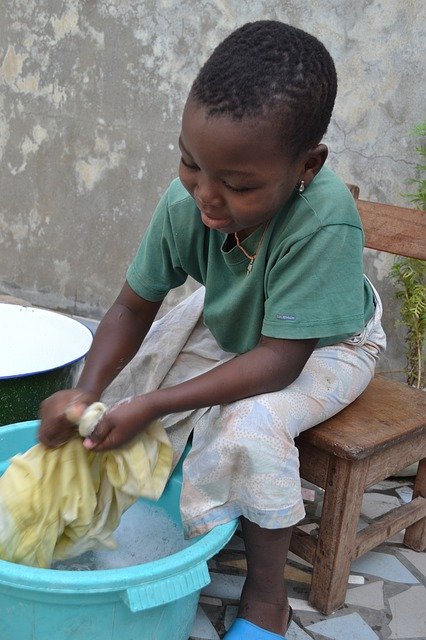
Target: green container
point(40, 352)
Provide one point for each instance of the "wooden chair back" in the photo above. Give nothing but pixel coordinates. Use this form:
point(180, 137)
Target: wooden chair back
point(396, 230)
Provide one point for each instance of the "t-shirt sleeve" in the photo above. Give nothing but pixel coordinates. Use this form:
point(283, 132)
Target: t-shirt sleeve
point(316, 288)
point(155, 269)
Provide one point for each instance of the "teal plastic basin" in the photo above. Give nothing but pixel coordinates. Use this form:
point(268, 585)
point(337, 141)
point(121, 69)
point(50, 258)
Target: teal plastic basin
point(153, 601)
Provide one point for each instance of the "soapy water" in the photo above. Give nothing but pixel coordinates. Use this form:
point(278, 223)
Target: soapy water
point(146, 532)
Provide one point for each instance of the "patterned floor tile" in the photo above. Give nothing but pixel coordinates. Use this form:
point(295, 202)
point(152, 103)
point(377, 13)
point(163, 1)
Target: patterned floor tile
point(405, 493)
point(384, 566)
point(203, 628)
point(212, 602)
point(300, 605)
point(296, 575)
point(294, 632)
point(398, 538)
point(390, 483)
point(362, 524)
point(239, 563)
point(376, 504)
point(224, 586)
point(405, 608)
point(292, 556)
point(230, 615)
point(418, 560)
point(309, 527)
point(351, 626)
point(370, 595)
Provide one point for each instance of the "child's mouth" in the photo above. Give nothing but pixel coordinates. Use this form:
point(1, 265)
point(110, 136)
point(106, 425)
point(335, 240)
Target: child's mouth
point(213, 222)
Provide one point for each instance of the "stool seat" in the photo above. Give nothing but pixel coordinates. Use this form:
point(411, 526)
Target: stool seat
point(376, 420)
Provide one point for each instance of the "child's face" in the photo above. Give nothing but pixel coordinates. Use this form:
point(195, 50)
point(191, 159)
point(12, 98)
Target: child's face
point(235, 171)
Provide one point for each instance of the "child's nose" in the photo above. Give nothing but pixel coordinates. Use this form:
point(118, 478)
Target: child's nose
point(207, 193)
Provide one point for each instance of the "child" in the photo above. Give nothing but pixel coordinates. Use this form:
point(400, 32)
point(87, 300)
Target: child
point(290, 329)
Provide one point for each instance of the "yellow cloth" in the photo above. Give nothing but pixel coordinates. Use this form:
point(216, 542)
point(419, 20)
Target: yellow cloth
point(58, 503)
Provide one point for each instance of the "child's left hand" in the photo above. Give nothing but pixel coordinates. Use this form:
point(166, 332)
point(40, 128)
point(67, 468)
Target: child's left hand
point(120, 424)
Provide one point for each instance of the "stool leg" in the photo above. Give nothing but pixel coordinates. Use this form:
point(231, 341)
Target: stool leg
point(415, 535)
point(344, 490)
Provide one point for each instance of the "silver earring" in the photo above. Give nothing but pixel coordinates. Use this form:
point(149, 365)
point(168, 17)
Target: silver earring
point(301, 186)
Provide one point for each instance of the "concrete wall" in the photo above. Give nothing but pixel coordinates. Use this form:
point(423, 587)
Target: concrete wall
point(91, 94)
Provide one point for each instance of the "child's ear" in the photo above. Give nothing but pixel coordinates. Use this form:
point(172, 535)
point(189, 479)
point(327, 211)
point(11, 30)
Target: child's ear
point(314, 161)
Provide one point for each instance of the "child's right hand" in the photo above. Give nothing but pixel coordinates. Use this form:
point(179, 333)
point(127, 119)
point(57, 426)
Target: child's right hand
point(60, 414)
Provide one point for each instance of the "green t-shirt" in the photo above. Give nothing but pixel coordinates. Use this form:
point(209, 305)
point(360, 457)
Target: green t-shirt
point(307, 279)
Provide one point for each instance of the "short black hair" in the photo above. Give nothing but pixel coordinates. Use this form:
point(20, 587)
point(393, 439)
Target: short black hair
point(269, 68)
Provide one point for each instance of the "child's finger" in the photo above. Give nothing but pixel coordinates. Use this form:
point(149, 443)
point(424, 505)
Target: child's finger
point(56, 433)
point(97, 438)
point(88, 443)
point(74, 411)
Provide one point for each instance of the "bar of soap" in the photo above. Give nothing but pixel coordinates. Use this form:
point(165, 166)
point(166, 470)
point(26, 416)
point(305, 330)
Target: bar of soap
point(90, 418)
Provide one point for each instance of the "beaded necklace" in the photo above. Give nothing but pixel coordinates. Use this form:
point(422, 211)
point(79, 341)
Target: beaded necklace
point(253, 257)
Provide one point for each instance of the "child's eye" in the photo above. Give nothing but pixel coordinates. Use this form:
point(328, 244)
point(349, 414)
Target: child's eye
point(237, 189)
point(188, 165)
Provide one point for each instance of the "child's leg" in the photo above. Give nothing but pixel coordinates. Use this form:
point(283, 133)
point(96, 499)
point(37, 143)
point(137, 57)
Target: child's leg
point(264, 596)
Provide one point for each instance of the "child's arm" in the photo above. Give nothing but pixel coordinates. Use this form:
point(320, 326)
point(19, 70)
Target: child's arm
point(116, 341)
point(272, 365)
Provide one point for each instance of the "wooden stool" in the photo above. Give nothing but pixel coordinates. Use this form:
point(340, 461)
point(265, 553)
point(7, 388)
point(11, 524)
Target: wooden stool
point(380, 433)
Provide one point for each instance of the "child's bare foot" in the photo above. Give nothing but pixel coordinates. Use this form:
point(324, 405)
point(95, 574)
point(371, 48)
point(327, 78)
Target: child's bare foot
point(271, 616)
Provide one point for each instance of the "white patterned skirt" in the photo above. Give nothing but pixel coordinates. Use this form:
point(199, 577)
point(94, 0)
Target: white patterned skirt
point(243, 461)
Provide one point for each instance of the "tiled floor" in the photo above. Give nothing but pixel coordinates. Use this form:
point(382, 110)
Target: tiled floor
point(386, 597)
